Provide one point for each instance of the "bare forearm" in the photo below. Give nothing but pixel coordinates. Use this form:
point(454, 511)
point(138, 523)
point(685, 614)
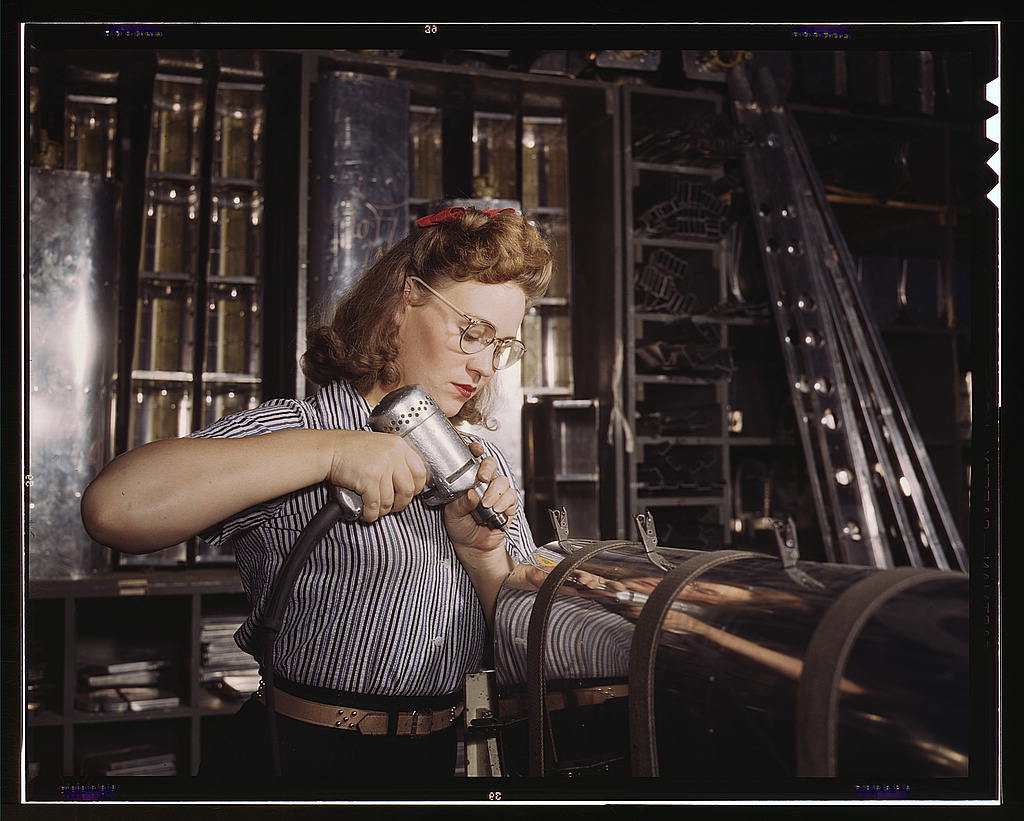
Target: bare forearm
point(167, 491)
point(487, 571)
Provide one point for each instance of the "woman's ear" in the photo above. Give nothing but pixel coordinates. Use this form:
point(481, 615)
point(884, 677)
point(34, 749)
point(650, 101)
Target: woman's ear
point(403, 303)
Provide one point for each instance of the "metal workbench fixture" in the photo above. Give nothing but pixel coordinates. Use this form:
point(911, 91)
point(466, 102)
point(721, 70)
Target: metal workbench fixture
point(877, 496)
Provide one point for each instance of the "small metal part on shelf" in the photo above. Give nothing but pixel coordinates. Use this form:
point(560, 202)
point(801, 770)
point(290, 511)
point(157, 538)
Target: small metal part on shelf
point(659, 284)
point(658, 356)
point(691, 210)
point(702, 140)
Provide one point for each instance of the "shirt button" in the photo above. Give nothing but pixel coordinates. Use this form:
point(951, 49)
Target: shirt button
point(438, 641)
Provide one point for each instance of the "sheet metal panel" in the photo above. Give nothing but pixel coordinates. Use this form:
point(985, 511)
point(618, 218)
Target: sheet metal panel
point(72, 339)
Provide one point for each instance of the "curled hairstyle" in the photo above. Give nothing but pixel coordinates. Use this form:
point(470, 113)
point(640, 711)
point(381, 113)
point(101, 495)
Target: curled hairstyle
point(360, 343)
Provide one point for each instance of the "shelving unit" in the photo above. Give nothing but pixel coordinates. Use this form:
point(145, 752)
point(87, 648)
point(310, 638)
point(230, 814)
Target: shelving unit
point(162, 609)
point(679, 417)
point(901, 208)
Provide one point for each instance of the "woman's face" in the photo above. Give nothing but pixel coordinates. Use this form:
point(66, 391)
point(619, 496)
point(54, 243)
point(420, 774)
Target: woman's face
point(429, 334)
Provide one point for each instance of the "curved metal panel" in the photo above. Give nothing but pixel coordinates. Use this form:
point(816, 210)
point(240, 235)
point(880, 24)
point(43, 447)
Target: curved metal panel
point(729, 660)
point(72, 339)
point(359, 178)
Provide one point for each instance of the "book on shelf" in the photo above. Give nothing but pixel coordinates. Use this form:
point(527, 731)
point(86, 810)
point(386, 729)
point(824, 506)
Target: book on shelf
point(218, 673)
point(126, 699)
point(128, 666)
point(140, 760)
point(106, 700)
point(149, 698)
point(234, 687)
point(225, 650)
point(128, 679)
point(136, 759)
point(166, 768)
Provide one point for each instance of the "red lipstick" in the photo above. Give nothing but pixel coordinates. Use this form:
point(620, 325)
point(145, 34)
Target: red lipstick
point(466, 390)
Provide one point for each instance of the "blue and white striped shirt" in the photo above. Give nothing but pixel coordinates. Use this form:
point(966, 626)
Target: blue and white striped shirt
point(382, 609)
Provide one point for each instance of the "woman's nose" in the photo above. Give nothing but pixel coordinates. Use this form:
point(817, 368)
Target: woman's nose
point(482, 362)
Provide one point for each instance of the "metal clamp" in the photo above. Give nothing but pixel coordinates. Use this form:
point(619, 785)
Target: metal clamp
point(789, 552)
point(560, 522)
point(649, 539)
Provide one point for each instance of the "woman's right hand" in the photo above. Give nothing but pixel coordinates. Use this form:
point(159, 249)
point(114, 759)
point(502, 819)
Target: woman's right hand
point(381, 467)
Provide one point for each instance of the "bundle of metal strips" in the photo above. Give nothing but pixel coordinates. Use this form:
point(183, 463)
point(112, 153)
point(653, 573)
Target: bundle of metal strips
point(876, 493)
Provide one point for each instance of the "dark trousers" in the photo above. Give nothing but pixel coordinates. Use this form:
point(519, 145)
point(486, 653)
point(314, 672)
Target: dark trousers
point(244, 749)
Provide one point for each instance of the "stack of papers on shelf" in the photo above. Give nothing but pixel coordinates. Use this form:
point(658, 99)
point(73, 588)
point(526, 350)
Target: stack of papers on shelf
point(127, 677)
point(116, 676)
point(143, 759)
point(126, 699)
point(221, 658)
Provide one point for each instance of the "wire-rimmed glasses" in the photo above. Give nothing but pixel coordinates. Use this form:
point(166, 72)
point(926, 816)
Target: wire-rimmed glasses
point(479, 334)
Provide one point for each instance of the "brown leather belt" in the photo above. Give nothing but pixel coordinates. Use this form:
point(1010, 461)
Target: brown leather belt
point(560, 699)
point(367, 722)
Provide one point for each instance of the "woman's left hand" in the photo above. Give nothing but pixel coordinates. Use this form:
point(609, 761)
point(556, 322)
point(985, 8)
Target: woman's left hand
point(500, 497)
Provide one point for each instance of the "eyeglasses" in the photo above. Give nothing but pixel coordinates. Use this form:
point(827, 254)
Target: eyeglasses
point(480, 333)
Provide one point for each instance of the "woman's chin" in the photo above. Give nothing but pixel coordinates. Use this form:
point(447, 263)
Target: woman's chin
point(451, 407)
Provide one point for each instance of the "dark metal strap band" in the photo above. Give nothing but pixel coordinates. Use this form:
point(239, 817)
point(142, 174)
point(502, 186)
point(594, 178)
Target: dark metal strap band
point(817, 693)
point(536, 640)
point(646, 637)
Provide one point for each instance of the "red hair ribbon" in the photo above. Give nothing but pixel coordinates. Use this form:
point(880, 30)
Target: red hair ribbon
point(453, 213)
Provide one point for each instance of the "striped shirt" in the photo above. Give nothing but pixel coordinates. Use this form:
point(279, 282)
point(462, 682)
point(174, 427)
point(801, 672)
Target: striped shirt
point(383, 608)
point(584, 640)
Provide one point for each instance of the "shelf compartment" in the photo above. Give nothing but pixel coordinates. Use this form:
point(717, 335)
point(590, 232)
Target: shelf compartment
point(219, 656)
point(106, 748)
point(691, 526)
point(676, 128)
point(677, 206)
point(149, 630)
point(677, 471)
point(160, 410)
point(547, 334)
point(663, 412)
point(233, 329)
point(683, 348)
point(44, 659)
point(165, 320)
point(562, 464)
point(666, 281)
point(43, 753)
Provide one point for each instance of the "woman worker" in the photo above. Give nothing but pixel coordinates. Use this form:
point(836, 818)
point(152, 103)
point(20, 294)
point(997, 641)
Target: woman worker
point(389, 613)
